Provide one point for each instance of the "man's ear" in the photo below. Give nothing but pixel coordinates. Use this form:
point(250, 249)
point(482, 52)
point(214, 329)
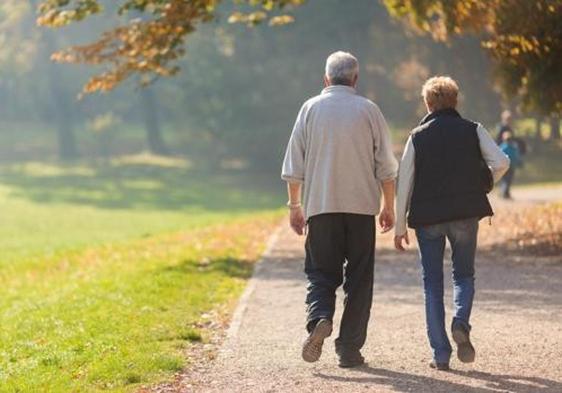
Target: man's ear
point(326, 81)
point(355, 79)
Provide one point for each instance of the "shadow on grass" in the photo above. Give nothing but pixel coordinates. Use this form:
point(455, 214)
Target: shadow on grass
point(405, 382)
point(142, 186)
point(228, 266)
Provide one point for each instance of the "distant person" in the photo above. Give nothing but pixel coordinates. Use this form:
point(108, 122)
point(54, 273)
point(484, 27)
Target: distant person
point(339, 156)
point(511, 149)
point(506, 125)
point(442, 193)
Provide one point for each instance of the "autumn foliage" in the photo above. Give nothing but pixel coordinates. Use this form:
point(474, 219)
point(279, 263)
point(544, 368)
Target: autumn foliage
point(523, 37)
point(152, 36)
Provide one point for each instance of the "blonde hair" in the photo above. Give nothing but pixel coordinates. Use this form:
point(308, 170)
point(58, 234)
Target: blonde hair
point(440, 92)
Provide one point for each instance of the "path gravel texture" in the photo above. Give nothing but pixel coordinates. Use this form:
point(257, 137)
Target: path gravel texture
point(517, 328)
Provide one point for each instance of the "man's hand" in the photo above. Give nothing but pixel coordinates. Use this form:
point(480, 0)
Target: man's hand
point(386, 219)
point(399, 239)
point(297, 221)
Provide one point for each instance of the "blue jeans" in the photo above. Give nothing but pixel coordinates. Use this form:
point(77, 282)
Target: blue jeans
point(462, 235)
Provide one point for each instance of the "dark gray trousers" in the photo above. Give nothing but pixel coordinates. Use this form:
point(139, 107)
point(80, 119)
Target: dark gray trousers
point(340, 248)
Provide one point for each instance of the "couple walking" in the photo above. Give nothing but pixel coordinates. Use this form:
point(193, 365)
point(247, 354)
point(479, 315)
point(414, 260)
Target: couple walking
point(340, 161)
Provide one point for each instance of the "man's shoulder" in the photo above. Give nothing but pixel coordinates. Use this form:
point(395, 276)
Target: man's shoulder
point(363, 104)
point(312, 101)
point(357, 98)
point(362, 100)
point(367, 106)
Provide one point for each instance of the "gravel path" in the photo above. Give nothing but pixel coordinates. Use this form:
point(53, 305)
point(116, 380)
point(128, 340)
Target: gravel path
point(517, 328)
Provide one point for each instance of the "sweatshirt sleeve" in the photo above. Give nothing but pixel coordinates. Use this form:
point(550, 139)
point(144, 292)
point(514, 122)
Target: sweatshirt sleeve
point(386, 165)
point(405, 187)
point(492, 154)
point(293, 164)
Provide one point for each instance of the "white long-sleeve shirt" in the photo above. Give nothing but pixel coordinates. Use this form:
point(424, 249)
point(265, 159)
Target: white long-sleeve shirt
point(494, 157)
point(340, 148)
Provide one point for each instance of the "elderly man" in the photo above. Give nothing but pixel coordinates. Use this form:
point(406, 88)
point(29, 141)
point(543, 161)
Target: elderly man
point(442, 183)
point(340, 154)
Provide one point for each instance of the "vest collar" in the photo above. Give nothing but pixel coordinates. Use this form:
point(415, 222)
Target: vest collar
point(442, 112)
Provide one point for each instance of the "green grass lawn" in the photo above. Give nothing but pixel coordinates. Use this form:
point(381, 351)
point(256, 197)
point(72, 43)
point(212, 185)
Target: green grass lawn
point(106, 271)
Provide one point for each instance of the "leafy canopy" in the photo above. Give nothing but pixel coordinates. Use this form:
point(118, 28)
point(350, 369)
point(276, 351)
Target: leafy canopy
point(152, 38)
point(523, 37)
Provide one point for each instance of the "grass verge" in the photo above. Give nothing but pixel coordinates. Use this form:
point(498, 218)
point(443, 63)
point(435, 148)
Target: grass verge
point(106, 272)
point(116, 316)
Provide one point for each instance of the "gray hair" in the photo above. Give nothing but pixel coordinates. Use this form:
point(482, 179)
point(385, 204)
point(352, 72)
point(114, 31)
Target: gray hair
point(342, 68)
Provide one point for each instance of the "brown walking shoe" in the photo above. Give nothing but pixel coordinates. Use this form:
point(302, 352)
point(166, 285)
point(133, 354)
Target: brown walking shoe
point(439, 366)
point(350, 360)
point(312, 346)
point(465, 350)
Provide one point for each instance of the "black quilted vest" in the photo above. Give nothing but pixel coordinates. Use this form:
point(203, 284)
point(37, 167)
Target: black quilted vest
point(447, 181)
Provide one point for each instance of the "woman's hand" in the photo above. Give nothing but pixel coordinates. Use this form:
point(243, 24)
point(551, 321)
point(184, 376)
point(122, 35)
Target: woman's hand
point(399, 239)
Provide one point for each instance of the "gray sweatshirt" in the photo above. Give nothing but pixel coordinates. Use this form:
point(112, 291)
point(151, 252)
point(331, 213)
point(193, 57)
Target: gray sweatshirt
point(340, 148)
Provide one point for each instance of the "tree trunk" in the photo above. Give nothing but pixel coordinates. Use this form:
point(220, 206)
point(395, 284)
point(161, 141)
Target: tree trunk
point(538, 127)
point(61, 101)
point(555, 127)
point(65, 134)
point(62, 110)
point(154, 138)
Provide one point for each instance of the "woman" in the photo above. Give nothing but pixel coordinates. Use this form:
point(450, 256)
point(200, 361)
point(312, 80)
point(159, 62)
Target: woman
point(441, 192)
